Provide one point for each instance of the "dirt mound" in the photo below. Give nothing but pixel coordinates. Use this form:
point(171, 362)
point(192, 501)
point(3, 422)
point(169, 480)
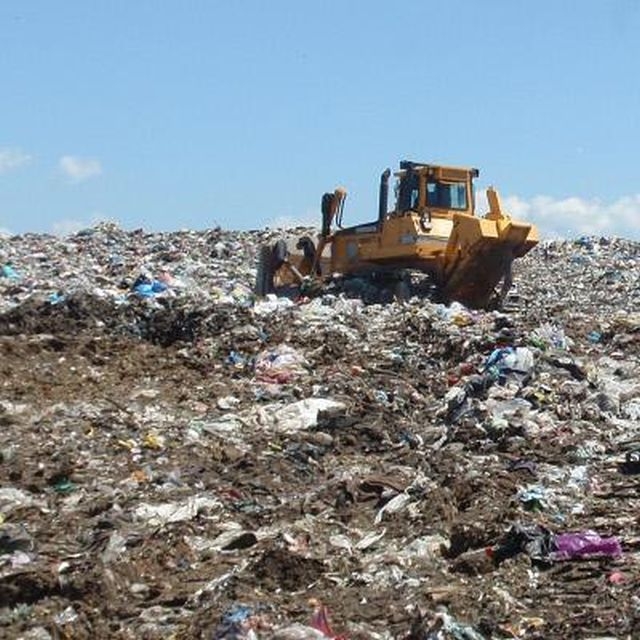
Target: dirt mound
point(190, 462)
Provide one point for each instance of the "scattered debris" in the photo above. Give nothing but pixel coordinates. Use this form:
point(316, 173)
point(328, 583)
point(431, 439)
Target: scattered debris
point(180, 460)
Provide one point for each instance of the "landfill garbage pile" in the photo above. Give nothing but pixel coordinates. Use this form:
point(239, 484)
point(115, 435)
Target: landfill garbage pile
point(181, 460)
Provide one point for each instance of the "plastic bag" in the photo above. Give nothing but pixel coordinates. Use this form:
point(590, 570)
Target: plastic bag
point(584, 544)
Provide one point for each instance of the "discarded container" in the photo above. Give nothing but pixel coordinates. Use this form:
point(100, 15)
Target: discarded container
point(509, 363)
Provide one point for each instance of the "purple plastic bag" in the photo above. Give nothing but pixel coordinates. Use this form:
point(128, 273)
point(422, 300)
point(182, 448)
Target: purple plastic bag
point(584, 544)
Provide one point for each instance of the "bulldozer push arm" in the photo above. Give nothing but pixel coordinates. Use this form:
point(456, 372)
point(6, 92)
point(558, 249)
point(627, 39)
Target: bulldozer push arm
point(332, 208)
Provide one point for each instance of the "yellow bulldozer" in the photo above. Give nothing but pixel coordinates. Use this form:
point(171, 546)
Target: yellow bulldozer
point(432, 229)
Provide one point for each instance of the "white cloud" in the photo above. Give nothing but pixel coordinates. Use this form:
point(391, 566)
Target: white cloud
point(5, 233)
point(575, 216)
point(568, 218)
point(69, 226)
point(78, 169)
point(310, 218)
point(12, 159)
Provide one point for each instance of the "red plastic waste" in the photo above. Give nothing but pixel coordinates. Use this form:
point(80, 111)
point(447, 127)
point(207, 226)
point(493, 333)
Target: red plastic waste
point(320, 621)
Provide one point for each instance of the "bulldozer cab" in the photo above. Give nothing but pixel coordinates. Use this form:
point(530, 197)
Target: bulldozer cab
point(438, 190)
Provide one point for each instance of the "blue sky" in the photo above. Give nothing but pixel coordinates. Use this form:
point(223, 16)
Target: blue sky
point(166, 114)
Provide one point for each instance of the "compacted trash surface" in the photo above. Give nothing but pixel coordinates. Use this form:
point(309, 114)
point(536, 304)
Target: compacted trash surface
point(180, 460)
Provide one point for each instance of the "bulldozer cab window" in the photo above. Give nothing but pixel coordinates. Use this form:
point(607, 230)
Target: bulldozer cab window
point(447, 195)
